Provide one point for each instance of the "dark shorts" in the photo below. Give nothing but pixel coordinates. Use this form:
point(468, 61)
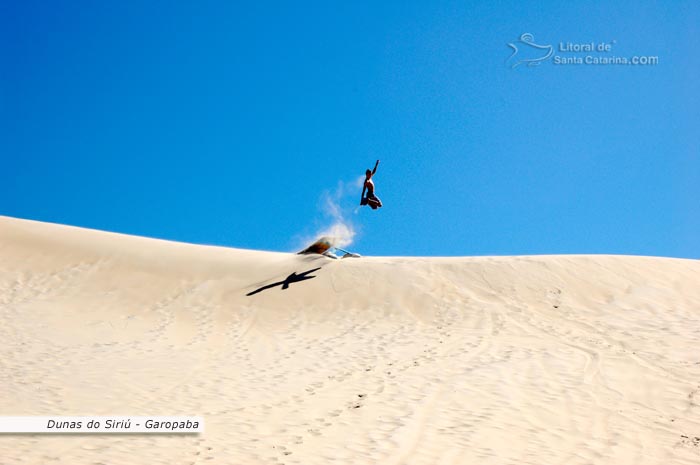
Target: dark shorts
point(372, 200)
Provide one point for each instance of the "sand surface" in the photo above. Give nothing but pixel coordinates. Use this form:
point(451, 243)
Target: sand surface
point(489, 360)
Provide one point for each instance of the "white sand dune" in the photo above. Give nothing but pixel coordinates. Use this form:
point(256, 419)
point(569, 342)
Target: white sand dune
point(489, 360)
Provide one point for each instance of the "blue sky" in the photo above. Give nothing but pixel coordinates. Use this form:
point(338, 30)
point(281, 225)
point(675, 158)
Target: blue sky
point(220, 123)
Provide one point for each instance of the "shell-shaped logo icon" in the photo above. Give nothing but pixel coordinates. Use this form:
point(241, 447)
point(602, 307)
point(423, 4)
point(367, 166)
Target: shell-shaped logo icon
point(529, 53)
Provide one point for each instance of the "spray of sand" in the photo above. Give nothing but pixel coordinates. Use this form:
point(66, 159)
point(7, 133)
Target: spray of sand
point(336, 206)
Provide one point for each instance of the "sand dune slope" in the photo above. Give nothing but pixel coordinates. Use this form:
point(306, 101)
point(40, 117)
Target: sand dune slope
point(508, 360)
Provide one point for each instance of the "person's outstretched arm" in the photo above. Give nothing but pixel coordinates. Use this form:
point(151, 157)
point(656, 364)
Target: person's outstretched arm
point(375, 168)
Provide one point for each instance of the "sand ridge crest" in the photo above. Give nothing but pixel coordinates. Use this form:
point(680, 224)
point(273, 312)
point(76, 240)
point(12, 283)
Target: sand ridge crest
point(551, 359)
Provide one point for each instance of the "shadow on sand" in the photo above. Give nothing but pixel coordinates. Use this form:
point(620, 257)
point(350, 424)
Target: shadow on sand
point(292, 278)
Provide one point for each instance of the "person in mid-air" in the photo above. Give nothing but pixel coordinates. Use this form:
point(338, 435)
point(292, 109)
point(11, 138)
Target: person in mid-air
point(371, 199)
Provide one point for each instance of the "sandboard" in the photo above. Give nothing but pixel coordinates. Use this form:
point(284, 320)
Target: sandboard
point(323, 246)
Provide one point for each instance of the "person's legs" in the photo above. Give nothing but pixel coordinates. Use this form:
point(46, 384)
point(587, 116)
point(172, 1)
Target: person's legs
point(374, 200)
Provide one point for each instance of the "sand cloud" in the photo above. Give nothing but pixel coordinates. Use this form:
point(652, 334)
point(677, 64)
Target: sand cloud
point(336, 207)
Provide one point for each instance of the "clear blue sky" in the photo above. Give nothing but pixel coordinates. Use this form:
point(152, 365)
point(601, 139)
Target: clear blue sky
point(222, 123)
